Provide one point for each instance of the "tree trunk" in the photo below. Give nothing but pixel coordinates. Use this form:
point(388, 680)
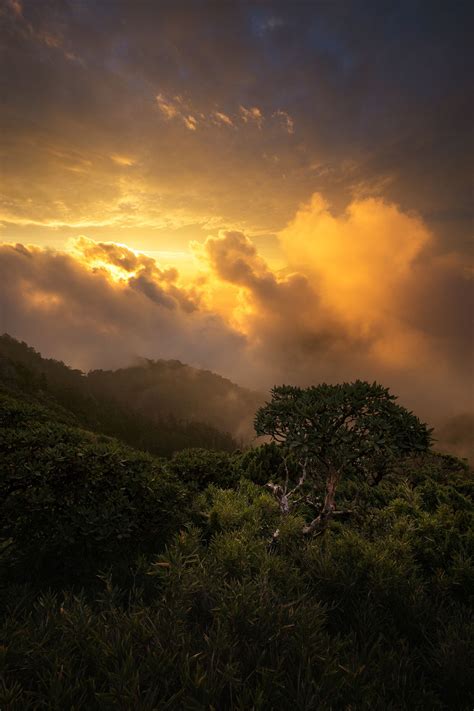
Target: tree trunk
point(322, 520)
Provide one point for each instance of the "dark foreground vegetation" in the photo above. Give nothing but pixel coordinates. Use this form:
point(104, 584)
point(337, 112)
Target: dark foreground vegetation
point(329, 569)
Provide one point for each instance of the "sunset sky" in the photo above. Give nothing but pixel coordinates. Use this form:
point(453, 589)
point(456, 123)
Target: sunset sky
point(280, 192)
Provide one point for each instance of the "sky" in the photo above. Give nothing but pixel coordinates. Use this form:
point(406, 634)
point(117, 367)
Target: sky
point(279, 192)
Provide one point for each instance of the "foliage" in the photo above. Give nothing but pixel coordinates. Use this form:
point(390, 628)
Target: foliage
point(218, 620)
point(158, 389)
point(72, 501)
point(168, 393)
point(130, 582)
point(343, 426)
point(266, 462)
point(200, 467)
point(336, 430)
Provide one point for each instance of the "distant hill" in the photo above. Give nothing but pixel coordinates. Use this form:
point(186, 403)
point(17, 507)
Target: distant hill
point(160, 407)
point(165, 388)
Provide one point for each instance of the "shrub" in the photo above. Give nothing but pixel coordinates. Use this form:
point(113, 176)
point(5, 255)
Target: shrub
point(201, 467)
point(71, 502)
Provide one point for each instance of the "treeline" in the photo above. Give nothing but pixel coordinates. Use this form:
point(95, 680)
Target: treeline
point(133, 582)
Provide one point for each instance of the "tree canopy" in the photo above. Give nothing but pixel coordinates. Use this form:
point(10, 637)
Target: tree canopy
point(333, 429)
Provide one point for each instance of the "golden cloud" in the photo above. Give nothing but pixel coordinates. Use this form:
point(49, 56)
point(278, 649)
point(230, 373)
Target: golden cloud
point(125, 161)
point(182, 109)
point(286, 119)
point(362, 261)
point(353, 300)
point(72, 306)
point(222, 118)
point(252, 115)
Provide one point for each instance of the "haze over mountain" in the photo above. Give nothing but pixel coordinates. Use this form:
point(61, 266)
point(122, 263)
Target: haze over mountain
point(161, 406)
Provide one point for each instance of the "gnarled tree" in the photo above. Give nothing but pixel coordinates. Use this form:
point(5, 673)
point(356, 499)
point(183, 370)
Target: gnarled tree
point(333, 430)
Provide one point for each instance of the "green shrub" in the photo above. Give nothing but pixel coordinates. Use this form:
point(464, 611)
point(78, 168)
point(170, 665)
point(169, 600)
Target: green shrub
point(262, 464)
point(201, 467)
point(71, 502)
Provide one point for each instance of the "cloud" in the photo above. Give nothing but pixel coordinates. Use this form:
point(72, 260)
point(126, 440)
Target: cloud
point(286, 119)
point(222, 118)
point(37, 31)
point(252, 115)
point(362, 258)
point(234, 258)
point(361, 295)
point(70, 309)
point(379, 272)
point(457, 436)
point(270, 24)
point(168, 108)
point(190, 122)
point(369, 280)
point(355, 300)
point(15, 7)
point(397, 119)
point(111, 254)
point(183, 110)
point(141, 272)
point(177, 107)
point(282, 314)
point(125, 161)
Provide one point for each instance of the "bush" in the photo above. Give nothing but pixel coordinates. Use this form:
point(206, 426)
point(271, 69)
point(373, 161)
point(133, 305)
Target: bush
point(71, 502)
point(201, 467)
point(262, 464)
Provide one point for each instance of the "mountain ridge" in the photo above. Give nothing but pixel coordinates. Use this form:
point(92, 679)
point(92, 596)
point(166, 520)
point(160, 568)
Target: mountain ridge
point(164, 428)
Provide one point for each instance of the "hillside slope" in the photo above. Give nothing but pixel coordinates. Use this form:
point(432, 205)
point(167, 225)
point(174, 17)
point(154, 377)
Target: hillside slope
point(83, 400)
point(155, 389)
point(168, 387)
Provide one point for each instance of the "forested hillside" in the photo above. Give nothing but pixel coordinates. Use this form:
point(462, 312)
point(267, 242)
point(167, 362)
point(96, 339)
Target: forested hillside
point(161, 388)
point(157, 390)
point(161, 428)
point(135, 582)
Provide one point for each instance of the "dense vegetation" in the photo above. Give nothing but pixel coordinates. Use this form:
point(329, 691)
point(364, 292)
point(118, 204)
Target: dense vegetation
point(136, 582)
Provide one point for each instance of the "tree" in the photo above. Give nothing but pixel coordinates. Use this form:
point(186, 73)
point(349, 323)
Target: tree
point(334, 430)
